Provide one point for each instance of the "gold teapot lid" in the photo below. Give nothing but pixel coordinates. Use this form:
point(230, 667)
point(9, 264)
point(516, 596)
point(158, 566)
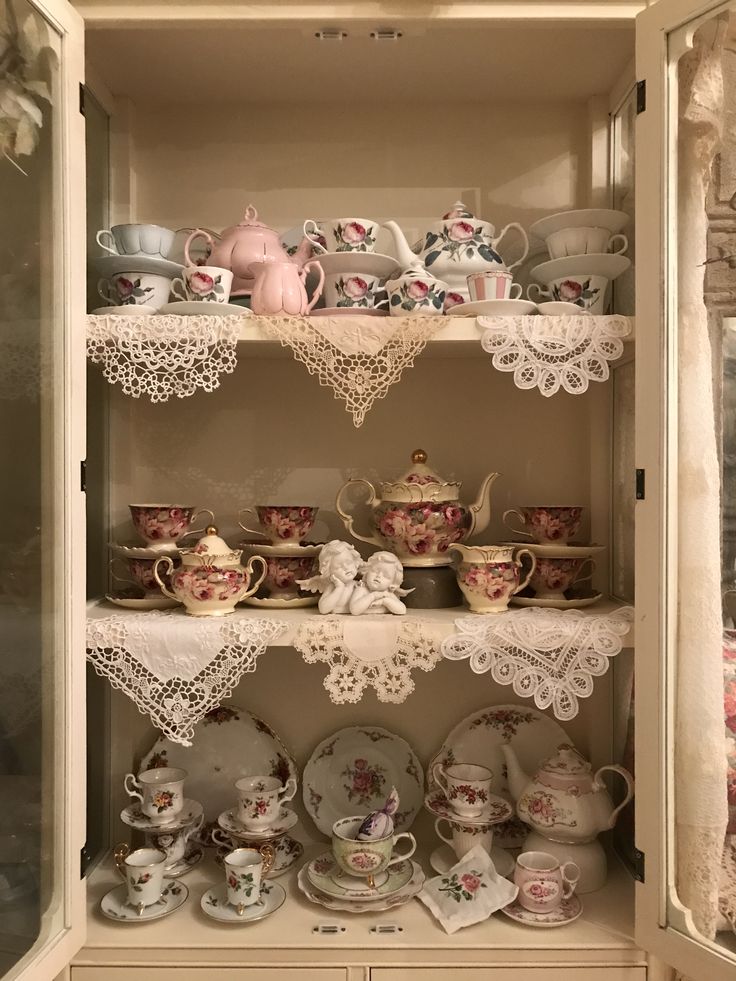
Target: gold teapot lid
point(419, 472)
point(420, 483)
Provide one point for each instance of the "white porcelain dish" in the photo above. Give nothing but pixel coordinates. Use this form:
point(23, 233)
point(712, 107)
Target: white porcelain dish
point(601, 264)
point(496, 811)
point(229, 823)
point(214, 903)
point(140, 310)
point(568, 911)
point(133, 816)
point(325, 875)
point(114, 904)
point(274, 603)
point(187, 308)
point(141, 552)
point(573, 603)
point(142, 603)
point(494, 308)
point(111, 265)
point(614, 221)
point(554, 550)
point(400, 898)
point(303, 550)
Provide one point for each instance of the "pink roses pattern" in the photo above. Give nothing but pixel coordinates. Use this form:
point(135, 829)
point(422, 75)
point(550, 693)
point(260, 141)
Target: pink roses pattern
point(422, 529)
point(419, 293)
point(495, 581)
point(365, 781)
point(130, 291)
point(359, 291)
point(542, 809)
point(286, 523)
point(354, 237)
point(463, 888)
point(571, 291)
point(458, 240)
point(208, 583)
point(160, 524)
point(206, 287)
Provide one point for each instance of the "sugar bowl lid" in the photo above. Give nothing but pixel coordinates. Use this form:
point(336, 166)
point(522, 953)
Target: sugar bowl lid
point(211, 549)
point(420, 483)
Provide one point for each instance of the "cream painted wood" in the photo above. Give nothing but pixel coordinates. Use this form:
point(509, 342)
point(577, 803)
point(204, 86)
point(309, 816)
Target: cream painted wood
point(209, 974)
point(493, 973)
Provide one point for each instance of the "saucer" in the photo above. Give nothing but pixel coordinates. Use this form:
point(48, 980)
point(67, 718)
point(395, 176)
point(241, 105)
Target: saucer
point(550, 603)
point(400, 898)
point(190, 307)
point(142, 602)
point(351, 312)
point(591, 264)
point(137, 309)
point(494, 308)
point(135, 818)
point(214, 903)
point(115, 904)
point(614, 221)
point(443, 858)
point(275, 603)
point(560, 308)
point(370, 263)
point(230, 824)
point(555, 551)
point(568, 910)
point(193, 857)
point(142, 551)
point(111, 265)
point(325, 874)
point(495, 811)
point(303, 550)
point(287, 851)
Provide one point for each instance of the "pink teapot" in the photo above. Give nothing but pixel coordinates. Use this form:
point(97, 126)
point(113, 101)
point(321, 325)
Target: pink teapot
point(280, 287)
point(241, 245)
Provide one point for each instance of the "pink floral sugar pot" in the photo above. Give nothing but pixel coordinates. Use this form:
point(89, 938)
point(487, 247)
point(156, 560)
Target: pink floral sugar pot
point(564, 800)
point(420, 515)
point(211, 580)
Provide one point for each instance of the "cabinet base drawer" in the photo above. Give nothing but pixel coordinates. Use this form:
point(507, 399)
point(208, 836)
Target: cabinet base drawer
point(207, 974)
point(591, 972)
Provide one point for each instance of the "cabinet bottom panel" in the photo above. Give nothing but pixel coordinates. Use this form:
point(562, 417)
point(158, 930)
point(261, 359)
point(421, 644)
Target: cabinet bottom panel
point(591, 973)
point(207, 974)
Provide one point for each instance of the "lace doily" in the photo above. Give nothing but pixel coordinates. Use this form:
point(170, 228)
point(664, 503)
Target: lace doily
point(551, 656)
point(553, 352)
point(364, 652)
point(359, 358)
point(727, 898)
point(174, 667)
point(161, 356)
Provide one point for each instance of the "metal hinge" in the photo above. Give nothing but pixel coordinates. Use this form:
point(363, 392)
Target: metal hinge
point(82, 107)
point(638, 865)
point(83, 475)
point(85, 860)
point(641, 96)
point(640, 484)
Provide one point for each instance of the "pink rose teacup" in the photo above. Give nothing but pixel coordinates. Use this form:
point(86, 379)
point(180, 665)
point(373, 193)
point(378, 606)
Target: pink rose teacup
point(553, 576)
point(162, 525)
point(547, 525)
point(356, 291)
point(342, 234)
point(281, 523)
point(283, 573)
point(543, 882)
point(489, 575)
point(586, 292)
point(140, 573)
point(210, 284)
point(467, 786)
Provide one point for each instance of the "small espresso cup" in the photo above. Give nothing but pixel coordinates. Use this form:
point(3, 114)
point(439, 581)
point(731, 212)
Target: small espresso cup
point(543, 882)
point(139, 240)
point(244, 871)
point(463, 837)
point(160, 791)
point(162, 525)
point(210, 284)
point(173, 843)
point(467, 786)
point(284, 572)
point(370, 858)
point(546, 524)
point(281, 524)
point(355, 291)
point(552, 577)
point(493, 285)
point(143, 871)
point(342, 234)
point(260, 800)
point(133, 289)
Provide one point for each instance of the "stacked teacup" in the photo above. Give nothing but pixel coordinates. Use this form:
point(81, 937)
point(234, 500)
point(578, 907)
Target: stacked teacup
point(561, 563)
point(586, 253)
point(136, 274)
point(201, 287)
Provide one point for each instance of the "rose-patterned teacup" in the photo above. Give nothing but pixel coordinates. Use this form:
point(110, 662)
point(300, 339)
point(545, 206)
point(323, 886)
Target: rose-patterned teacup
point(162, 525)
point(260, 800)
point(244, 870)
point(160, 791)
point(453, 299)
point(173, 843)
point(553, 577)
point(140, 574)
point(586, 292)
point(206, 283)
point(414, 295)
point(543, 882)
point(283, 573)
point(143, 871)
point(467, 786)
point(493, 284)
point(365, 859)
point(545, 524)
point(281, 523)
point(489, 575)
point(342, 234)
point(463, 837)
point(354, 291)
point(130, 289)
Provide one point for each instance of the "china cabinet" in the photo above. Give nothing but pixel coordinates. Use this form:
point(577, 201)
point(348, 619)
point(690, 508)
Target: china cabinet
point(193, 112)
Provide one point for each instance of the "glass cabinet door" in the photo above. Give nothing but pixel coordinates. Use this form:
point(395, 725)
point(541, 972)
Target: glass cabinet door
point(42, 285)
point(686, 390)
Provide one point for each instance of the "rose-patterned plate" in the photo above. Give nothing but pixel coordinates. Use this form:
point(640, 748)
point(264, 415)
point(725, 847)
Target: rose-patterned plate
point(279, 603)
point(115, 905)
point(229, 823)
point(495, 811)
point(214, 903)
point(568, 910)
point(133, 816)
point(352, 771)
point(229, 743)
point(142, 602)
point(324, 874)
point(570, 602)
point(400, 898)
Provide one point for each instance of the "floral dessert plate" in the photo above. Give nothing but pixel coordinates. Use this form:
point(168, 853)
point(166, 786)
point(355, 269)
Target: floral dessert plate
point(133, 816)
point(570, 603)
point(191, 307)
point(276, 603)
point(142, 602)
point(568, 910)
point(614, 221)
point(229, 743)
point(494, 308)
point(370, 263)
point(141, 552)
point(591, 264)
point(140, 310)
point(351, 312)
point(555, 551)
point(324, 873)
point(352, 772)
point(442, 860)
point(112, 265)
point(399, 898)
point(229, 823)
point(287, 851)
point(304, 550)
point(115, 903)
point(494, 812)
point(214, 903)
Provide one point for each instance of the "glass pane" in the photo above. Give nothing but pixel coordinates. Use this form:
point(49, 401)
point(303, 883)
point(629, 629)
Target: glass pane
point(623, 143)
point(31, 502)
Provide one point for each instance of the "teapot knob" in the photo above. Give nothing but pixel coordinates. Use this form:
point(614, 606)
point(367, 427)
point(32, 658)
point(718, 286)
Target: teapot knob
point(419, 456)
point(250, 214)
point(210, 530)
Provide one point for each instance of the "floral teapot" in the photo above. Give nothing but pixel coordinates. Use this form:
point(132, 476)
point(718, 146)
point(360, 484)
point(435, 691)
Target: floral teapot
point(456, 246)
point(210, 580)
point(564, 801)
point(420, 515)
point(241, 245)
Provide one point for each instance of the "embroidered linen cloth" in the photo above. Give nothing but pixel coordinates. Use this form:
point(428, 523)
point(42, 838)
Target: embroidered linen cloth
point(173, 666)
point(469, 892)
point(370, 651)
point(551, 656)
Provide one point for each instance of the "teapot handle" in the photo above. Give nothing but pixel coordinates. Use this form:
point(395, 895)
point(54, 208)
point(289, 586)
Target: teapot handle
point(197, 233)
point(599, 785)
point(517, 560)
point(252, 587)
point(164, 588)
point(506, 228)
point(348, 520)
point(318, 291)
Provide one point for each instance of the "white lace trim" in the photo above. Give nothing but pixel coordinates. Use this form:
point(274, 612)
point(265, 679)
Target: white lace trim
point(358, 358)
point(161, 356)
point(551, 656)
point(553, 352)
point(176, 668)
point(727, 900)
point(364, 652)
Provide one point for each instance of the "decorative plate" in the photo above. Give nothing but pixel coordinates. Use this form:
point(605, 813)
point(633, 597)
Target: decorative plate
point(287, 851)
point(142, 602)
point(214, 903)
point(111, 265)
point(495, 811)
point(275, 603)
point(614, 221)
point(591, 264)
point(303, 550)
point(353, 770)
point(555, 551)
point(443, 858)
point(229, 823)
point(229, 743)
point(400, 898)
point(189, 307)
point(141, 552)
point(141, 310)
point(133, 816)
point(115, 903)
point(324, 873)
point(568, 910)
point(568, 603)
point(493, 308)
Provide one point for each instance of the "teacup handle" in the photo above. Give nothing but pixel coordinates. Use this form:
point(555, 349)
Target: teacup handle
point(437, 823)
point(519, 290)
point(103, 285)
point(318, 291)
point(288, 791)
point(439, 778)
point(197, 233)
point(133, 790)
point(537, 293)
point(113, 560)
point(252, 587)
point(620, 238)
point(175, 285)
point(517, 561)
point(516, 531)
point(194, 828)
point(314, 230)
point(402, 858)
point(589, 575)
point(164, 588)
point(102, 232)
point(569, 881)
point(221, 838)
point(120, 854)
point(251, 531)
point(520, 230)
point(199, 531)
point(269, 857)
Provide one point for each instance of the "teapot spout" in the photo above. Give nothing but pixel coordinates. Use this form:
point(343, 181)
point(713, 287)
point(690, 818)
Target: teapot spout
point(480, 509)
point(517, 779)
point(403, 251)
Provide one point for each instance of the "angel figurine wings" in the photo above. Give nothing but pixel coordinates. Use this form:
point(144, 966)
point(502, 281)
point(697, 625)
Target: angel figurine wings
point(378, 591)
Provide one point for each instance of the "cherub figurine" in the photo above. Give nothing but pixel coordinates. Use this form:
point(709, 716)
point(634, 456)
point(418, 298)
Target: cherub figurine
point(339, 563)
point(380, 588)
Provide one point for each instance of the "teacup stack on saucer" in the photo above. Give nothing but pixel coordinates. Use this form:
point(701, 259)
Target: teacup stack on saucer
point(493, 293)
point(136, 275)
point(288, 557)
point(202, 289)
point(561, 562)
point(586, 253)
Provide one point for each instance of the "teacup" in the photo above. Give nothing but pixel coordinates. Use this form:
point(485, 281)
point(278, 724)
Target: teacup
point(490, 575)
point(547, 524)
point(283, 573)
point(160, 791)
point(134, 239)
point(453, 299)
point(162, 525)
point(281, 523)
point(553, 576)
point(210, 284)
point(354, 291)
point(553, 308)
point(143, 871)
point(493, 285)
point(260, 800)
point(467, 786)
point(173, 843)
point(366, 859)
point(543, 882)
point(244, 870)
point(584, 241)
point(586, 292)
point(342, 234)
point(131, 289)
point(463, 837)
point(140, 574)
point(415, 296)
